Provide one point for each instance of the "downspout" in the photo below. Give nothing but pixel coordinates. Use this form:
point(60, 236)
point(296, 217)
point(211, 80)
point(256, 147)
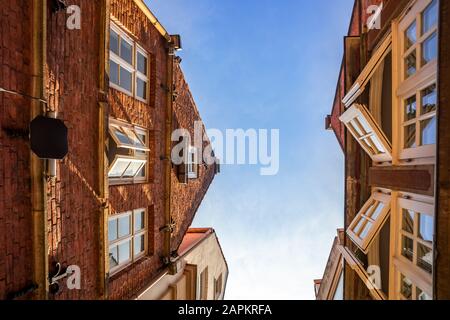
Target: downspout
point(167, 155)
point(103, 186)
point(37, 166)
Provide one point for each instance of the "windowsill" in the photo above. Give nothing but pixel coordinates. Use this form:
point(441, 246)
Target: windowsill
point(118, 183)
point(116, 274)
point(129, 94)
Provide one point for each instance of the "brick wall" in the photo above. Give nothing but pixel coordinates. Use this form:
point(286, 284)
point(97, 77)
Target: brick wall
point(15, 204)
point(187, 198)
point(72, 84)
point(151, 116)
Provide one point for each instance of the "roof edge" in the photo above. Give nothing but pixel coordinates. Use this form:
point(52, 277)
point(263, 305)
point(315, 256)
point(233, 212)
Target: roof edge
point(143, 6)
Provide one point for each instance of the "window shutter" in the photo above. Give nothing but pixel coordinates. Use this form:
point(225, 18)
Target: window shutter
point(366, 131)
point(369, 221)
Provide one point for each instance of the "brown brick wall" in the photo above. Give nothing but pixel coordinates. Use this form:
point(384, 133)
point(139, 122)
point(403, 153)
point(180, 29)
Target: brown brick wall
point(151, 116)
point(72, 86)
point(15, 204)
point(187, 198)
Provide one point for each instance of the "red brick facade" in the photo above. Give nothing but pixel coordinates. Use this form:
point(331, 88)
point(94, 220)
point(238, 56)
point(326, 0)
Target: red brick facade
point(74, 203)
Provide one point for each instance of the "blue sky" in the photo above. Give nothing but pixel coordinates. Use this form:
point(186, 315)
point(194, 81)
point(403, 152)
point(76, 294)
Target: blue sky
point(268, 64)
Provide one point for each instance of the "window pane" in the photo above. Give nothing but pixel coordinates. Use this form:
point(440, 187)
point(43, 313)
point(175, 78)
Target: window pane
point(122, 137)
point(429, 17)
point(133, 138)
point(141, 88)
point(410, 108)
point(407, 248)
point(113, 72)
point(426, 228)
point(126, 51)
point(141, 63)
point(422, 295)
point(408, 221)
point(377, 211)
point(139, 244)
point(124, 226)
point(114, 42)
point(139, 221)
point(410, 64)
point(359, 226)
point(118, 169)
point(410, 136)
point(425, 258)
point(377, 144)
point(406, 288)
point(126, 79)
point(112, 230)
point(428, 134)
point(133, 169)
point(410, 36)
point(429, 99)
point(356, 127)
point(124, 252)
point(429, 49)
point(366, 230)
point(113, 257)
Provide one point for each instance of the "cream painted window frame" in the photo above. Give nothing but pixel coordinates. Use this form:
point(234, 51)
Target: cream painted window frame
point(135, 74)
point(192, 161)
point(399, 263)
point(129, 238)
point(365, 217)
point(370, 136)
point(140, 75)
point(405, 88)
point(364, 78)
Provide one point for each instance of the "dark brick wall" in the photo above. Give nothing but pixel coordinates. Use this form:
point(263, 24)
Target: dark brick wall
point(15, 204)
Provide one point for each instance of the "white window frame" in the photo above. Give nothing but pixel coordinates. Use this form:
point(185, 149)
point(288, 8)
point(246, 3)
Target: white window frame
point(129, 238)
point(369, 138)
point(407, 87)
point(192, 161)
point(365, 216)
point(132, 68)
point(401, 265)
point(140, 75)
point(136, 154)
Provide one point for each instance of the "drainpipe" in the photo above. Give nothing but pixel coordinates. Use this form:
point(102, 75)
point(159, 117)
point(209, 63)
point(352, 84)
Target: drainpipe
point(37, 166)
point(102, 157)
point(167, 156)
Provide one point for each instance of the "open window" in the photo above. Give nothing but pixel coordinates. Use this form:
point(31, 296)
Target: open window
point(128, 153)
point(366, 131)
point(189, 168)
point(366, 75)
point(369, 221)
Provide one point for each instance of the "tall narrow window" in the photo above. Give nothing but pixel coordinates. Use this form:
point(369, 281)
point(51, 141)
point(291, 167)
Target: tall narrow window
point(413, 258)
point(204, 284)
point(417, 90)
